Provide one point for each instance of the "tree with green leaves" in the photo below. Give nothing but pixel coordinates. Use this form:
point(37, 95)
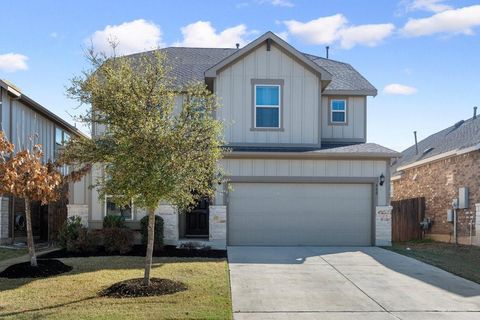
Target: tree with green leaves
point(153, 148)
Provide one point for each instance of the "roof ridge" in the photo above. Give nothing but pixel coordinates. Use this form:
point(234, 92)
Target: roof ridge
point(322, 58)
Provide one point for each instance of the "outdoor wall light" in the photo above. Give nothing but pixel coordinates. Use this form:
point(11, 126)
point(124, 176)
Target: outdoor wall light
point(382, 180)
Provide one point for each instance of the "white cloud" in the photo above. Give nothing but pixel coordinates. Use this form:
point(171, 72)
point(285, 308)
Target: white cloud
point(131, 37)
point(54, 35)
point(11, 62)
point(427, 5)
point(399, 89)
point(454, 21)
point(323, 30)
point(327, 30)
point(368, 34)
point(242, 5)
point(202, 34)
point(278, 3)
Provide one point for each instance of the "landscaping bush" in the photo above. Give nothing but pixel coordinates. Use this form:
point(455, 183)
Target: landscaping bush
point(158, 241)
point(114, 222)
point(69, 231)
point(74, 237)
point(118, 240)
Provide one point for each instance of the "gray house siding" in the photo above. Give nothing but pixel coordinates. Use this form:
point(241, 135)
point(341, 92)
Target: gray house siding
point(320, 168)
point(355, 128)
point(301, 94)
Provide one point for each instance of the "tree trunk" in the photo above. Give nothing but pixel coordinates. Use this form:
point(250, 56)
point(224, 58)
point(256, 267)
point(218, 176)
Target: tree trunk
point(150, 243)
point(31, 245)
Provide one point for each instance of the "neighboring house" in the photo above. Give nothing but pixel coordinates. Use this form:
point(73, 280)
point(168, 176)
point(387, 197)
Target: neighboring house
point(26, 122)
point(300, 173)
point(444, 163)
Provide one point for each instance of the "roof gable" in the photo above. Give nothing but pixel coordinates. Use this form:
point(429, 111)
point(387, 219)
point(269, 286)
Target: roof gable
point(322, 73)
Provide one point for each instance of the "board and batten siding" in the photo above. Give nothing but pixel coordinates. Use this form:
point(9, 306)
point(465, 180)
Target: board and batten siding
point(307, 168)
point(301, 96)
point(355, 129)
point(27, 123)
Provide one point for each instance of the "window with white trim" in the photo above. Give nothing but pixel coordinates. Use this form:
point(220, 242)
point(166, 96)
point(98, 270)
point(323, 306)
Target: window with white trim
point(338, 111)
point(112, 209)
point(267, 106)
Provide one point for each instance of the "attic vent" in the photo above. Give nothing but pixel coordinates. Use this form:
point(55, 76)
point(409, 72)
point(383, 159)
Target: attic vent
point(427, 150)
point(458, 124)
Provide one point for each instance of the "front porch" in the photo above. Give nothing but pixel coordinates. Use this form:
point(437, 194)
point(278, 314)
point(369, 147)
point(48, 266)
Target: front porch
point(205, 227)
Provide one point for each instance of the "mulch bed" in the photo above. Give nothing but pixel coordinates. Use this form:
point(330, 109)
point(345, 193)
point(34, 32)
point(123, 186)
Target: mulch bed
point(46, 268)
point(135, 288)
point(139, 250)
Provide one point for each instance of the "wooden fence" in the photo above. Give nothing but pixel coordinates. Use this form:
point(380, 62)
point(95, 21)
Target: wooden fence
point(406, 217)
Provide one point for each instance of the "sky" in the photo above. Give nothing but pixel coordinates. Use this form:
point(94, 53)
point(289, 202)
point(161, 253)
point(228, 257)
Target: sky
point(423, 56)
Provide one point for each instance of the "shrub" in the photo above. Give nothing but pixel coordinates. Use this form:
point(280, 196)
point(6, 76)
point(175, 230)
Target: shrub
point(74, 237)
point(118, 240)
point(158, 241)
point(87, 241)
point(69, 231)
point(114, 222)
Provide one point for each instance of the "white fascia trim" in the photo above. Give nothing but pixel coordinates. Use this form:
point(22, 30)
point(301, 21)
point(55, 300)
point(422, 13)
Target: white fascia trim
point(448, 154)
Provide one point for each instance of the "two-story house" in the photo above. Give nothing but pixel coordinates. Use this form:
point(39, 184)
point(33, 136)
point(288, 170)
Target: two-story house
point(300, 171)
point(25, 122)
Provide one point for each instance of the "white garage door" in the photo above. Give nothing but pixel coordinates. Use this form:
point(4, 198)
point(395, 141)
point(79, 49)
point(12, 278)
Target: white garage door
point(289, 214)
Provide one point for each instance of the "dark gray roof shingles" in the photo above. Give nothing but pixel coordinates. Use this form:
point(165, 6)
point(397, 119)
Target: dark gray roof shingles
point(327, 149)
point(190, 64)
point(457, 137)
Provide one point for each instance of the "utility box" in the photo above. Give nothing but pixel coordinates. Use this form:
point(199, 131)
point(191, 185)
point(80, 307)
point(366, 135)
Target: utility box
point(463, 198)
point(449, 215)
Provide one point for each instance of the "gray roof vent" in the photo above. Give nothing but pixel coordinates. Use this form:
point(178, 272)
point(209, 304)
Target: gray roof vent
point(456, 126)
point(459, 123)
point(427, 150)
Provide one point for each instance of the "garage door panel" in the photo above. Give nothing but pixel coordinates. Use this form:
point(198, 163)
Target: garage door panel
point(300, 214)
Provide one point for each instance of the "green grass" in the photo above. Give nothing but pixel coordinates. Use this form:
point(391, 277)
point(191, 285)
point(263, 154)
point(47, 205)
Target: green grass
point(6, 253)
point(74, 295)
point(461, 260)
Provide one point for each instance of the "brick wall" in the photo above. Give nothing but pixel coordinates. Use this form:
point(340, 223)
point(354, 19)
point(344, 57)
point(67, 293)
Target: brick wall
point(439, 182)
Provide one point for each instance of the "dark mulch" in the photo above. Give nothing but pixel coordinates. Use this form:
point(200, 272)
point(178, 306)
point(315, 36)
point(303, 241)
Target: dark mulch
point(135, 288)
point(139, 250)
point(46, 268)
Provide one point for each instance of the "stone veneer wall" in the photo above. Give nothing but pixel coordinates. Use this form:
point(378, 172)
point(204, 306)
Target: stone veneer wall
point(170, 223)
point(439, 182)
point(80, 210)
point(4, 204)
point(383, 226)
point(218, 226)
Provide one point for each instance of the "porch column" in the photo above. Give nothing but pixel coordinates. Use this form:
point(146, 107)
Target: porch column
point(79, 210)
point(383, 226)
point(170, 223)
point(4, 217)
point(477, 225)
point(218, 226)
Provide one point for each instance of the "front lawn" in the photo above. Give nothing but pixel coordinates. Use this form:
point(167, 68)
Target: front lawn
point(461, 260)
point(73, 295)
point(7, 253)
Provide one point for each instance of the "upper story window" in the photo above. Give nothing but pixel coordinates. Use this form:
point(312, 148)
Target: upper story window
point(267, 104)
point(338, 111)
point(61, 137)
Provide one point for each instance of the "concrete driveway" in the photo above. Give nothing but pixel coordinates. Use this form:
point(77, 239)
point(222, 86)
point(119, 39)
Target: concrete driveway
point(344, 283)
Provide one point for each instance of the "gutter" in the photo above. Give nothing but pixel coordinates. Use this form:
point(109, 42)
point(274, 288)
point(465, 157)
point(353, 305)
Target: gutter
point(441, 156)
point(372, 93)
point(309, 155)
